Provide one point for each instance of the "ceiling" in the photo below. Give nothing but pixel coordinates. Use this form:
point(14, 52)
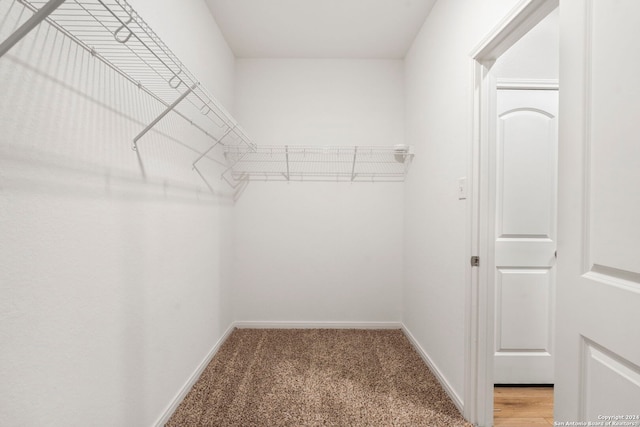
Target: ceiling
point(320, 28)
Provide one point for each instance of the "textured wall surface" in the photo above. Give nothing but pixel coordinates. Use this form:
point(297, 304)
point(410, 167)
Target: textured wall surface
point(320, 251)
point(438, 88)
point(113, 285)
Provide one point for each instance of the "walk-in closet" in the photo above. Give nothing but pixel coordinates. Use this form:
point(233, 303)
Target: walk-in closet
point(291, 212)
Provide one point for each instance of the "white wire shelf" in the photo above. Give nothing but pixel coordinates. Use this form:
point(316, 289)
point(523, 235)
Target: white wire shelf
point(319, 163)
point(114, 33)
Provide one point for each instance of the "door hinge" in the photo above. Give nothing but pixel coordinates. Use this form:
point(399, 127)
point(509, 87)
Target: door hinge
point(475, 261)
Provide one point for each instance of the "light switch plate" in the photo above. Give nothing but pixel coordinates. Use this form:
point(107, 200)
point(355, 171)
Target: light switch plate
point(462, 188)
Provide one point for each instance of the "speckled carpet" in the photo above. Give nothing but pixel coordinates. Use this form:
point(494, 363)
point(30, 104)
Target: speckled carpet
point(317, 377)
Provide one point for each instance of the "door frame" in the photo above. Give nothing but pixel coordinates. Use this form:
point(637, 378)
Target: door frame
point(479, 298)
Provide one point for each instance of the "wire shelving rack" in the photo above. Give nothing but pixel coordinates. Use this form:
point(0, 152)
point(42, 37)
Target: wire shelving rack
point(320, 163)
point(114, 33)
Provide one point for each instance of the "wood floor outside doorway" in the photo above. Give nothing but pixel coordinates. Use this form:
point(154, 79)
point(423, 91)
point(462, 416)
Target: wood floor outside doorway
point(523, 406)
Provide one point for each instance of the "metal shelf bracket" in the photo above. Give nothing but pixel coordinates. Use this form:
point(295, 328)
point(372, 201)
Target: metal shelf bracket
point(29, 25)
point(164, 113)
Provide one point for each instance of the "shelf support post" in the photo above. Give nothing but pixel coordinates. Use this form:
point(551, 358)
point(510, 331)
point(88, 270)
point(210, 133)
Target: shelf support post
point(164, 113)
point(353, 167)
point(29, 25)
point(286, 152)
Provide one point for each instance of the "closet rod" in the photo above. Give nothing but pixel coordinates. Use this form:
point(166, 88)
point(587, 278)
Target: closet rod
point(29, 25)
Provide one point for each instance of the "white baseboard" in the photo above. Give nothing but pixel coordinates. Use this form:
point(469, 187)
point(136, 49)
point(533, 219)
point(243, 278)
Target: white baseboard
point(316, 325)
point(162, 420)
point(432, 366)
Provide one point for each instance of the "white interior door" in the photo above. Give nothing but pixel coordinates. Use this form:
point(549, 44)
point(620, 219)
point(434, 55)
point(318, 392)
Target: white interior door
point(598, 298)
point(525, 235)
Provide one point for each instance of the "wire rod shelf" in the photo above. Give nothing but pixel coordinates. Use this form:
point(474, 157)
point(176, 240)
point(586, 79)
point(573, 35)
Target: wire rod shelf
point(319, 163)
point(113, 32)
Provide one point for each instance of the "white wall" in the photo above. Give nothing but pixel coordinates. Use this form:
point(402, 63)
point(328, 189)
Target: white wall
point(112, 286)
point(190, 31)
point(115, 288)
point(438, 115)
point(536, 55)
point(320, 251)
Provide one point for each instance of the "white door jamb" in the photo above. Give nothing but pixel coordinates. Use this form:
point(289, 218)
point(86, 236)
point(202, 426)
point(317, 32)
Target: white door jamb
point(479, 304)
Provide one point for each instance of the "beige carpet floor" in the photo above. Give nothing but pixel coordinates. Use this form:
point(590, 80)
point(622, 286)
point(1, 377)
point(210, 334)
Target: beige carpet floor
point(317, 377)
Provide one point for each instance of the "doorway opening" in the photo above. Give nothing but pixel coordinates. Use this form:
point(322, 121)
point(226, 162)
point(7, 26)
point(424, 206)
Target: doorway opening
point(523, 147)
point(511, 295)
point(525, 405)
